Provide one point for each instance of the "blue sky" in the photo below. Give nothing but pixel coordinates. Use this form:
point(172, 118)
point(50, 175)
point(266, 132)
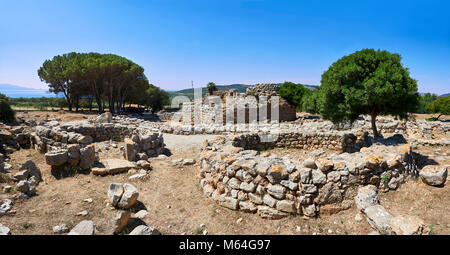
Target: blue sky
point(226, 41)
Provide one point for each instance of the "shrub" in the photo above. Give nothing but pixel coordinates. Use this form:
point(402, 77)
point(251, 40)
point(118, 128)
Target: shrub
point(6, 112)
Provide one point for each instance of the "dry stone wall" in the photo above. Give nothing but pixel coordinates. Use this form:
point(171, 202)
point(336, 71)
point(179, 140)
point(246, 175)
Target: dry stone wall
point(70, 145)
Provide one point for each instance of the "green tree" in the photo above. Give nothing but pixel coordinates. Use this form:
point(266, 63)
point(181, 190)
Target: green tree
point(293, 93)
point(440, 106)
point(424, 101)
point(311, 101)
point(157, 98)
point(211, 87)
point(6, 112)
point(368, 82)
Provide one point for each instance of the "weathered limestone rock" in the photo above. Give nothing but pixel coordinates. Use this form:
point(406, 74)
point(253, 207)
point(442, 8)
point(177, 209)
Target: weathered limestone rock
point(99, 171)
point(86, 227)
point(121, 220)
point(145, 230)
point(270, 213)
point(433, 175)
point(366, 197)
point(230, 203)
point(21, 175)
point(5, 206)
point(188, 161)
point(31, 168)
point(379, 218)
point(318, 177)
point(144, 164)
point(269, 200)
point(104, 118)
point(310, 210)
point(87, 157)
point(26, 187)
point(286, 206)
point(4, 230)
point(60, 229)
point(247, 206)
point(114, 165)
point(310, 163)
point(56, 158)
point(142, 214)
point(129, 196)
point(130, 151)
point(409, 225)
point(115, 191)
point(276, 191)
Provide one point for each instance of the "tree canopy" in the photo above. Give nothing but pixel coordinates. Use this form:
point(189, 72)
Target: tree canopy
point(293, 93)
point(369, 81)
point(211, 87)
point(424, 101)
point(103, 77)
point(440, 106)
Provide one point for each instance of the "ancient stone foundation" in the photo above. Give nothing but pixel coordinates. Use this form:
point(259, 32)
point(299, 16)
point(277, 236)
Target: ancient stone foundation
point(275, 187)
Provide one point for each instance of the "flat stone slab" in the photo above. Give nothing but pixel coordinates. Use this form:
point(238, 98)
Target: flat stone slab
point(114, 166)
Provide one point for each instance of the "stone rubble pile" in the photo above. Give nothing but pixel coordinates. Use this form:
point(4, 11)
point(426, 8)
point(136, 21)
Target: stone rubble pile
point(275, 187)
point(70, 146)
point(263, 89)
point(123, 197)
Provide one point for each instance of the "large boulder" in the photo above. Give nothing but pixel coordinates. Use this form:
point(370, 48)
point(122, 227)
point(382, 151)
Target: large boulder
point(86, 227)
point(433, 175)
point(56, 158)
point(367, 196)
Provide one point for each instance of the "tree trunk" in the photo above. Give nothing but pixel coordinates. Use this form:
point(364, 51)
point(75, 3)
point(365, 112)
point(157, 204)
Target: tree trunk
point(374, 125)
point(90, 104)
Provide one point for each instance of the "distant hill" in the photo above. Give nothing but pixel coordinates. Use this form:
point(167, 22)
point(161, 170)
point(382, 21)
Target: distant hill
point(14, 91)
point(240, 88)
point(444, 95)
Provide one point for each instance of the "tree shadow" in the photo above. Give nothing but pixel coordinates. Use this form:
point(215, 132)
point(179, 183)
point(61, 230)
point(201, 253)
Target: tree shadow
point(66, 170)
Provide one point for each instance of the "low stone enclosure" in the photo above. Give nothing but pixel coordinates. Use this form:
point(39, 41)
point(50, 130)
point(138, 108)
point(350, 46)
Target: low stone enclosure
point(70, 146)
point(274, 187)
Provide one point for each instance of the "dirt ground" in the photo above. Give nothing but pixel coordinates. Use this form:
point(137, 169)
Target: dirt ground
point(176, 204)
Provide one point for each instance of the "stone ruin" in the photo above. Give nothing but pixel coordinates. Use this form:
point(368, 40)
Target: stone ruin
point(263, 89)
point(71, 146)
point(274, 187)
point(227, 107)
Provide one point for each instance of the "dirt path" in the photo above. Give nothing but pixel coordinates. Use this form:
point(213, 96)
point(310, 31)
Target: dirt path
point(185, 144)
